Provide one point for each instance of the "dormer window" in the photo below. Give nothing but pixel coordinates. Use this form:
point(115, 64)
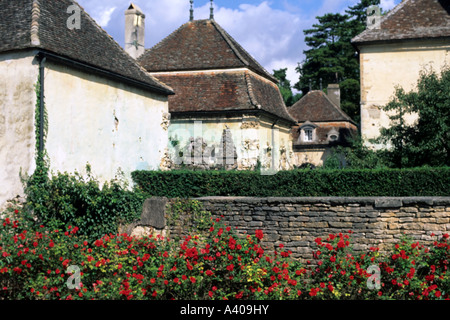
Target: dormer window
point(308, 135)
point(307, 132)
point(333, 135)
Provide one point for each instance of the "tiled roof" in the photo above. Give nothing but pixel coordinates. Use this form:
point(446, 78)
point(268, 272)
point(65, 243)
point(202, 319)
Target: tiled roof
point(411, 19)
point(344, 131)
point(221, 91)
point(315, 106)
point(42, 24)
point(199, 45)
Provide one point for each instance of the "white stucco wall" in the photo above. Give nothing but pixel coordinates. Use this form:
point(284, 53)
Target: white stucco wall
point(251, 137)
point(18, 76)
point(385, 66)
point(110, 125)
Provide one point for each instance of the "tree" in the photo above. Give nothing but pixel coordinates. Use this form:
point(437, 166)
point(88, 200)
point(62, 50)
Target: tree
point(426, 141)
point(331, 58)
point(285, 87)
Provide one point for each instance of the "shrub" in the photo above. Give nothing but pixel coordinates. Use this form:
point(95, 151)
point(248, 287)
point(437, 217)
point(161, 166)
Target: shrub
point(96, 209)
point(35, 263)
point(296, 183)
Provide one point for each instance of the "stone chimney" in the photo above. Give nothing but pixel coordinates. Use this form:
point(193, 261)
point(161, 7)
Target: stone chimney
point(334, 94)
point(134, 31)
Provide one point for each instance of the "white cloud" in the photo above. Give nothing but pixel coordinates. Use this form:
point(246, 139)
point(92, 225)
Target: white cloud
point(104, 17)
point(388, 4)
point(274, 37)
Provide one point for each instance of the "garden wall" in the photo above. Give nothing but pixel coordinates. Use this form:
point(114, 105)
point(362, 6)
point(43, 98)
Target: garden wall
point(297, 222)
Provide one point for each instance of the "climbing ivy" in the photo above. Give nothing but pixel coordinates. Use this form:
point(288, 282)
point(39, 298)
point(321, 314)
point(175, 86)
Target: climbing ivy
point(63, 199)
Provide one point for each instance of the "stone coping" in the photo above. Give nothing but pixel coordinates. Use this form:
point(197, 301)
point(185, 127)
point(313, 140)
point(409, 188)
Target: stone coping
point(378, 202)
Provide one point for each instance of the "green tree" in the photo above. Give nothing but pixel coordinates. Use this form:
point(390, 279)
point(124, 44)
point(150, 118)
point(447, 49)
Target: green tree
point(427, 140)
point(285, 87)
point(331, 58)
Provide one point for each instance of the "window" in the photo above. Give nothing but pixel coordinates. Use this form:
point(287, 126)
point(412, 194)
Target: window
point(308, 135)
point(307, 132)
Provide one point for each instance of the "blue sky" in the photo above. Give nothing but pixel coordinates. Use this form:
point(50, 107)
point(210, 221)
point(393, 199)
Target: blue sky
point(270, 30)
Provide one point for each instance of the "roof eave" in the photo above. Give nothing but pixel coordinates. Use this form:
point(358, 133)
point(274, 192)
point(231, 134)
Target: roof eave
point(358, 43)
point(84, 66)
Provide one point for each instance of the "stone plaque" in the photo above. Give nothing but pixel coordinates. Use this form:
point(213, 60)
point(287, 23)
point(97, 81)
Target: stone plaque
point(153, 212)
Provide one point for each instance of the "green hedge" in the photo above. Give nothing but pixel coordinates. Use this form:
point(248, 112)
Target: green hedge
point(296, 183)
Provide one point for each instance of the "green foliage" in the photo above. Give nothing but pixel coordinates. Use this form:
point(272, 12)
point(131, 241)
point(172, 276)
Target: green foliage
point(427, 140)
point(296, 183)
point(285, 87)
point(356, 156)
point(65, 199)
point(35, 264)
point(186, 215)
point(332, 58)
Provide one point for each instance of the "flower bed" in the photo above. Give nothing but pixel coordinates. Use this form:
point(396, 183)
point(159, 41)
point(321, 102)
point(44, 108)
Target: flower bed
point(37, 263)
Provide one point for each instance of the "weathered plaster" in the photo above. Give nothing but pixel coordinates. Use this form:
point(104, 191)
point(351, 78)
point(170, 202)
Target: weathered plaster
point(385, 66)
point(110, 125)
point(252, 137)
point(18, 76)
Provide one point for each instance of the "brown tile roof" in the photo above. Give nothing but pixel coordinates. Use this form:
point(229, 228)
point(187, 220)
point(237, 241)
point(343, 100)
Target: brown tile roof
point(344, 131)
point(221, 91)
point(45, 22)
point(411, 19)
point(315, 106)
point(199, 45)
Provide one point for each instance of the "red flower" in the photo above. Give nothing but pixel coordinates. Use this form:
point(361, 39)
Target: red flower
point(313, 292)
point(229, 268)
point(259, 234)
point(437, 294)
point(330, 287)
point(98, 243)
point(193, 280)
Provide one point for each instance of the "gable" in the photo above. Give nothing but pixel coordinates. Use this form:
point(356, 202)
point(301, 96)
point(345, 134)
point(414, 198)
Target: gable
point(411, 19)
point(199, 45)
point(42, 24)
point(317, 107)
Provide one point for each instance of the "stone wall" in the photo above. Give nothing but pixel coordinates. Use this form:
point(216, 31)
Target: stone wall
point(297, 222)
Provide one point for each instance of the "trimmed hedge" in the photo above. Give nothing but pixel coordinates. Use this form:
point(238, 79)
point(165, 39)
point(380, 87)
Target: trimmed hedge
point(296, 183)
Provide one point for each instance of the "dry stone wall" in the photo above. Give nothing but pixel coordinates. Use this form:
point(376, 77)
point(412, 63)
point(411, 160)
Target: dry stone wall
point(297, 222)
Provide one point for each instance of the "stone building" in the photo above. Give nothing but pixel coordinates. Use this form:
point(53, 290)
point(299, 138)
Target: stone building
point(413, 37)
point(100, 106)
point(322, 125)
point(220, 91)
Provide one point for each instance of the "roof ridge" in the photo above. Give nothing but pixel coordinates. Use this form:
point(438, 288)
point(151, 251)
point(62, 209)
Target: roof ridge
point(34, 30)
point(383, 18)
point(299, 105)
point(229, 40)
point(251, 94)
point(233, 44)
point(160, 42)
point(115, 43)
point(336, 107)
